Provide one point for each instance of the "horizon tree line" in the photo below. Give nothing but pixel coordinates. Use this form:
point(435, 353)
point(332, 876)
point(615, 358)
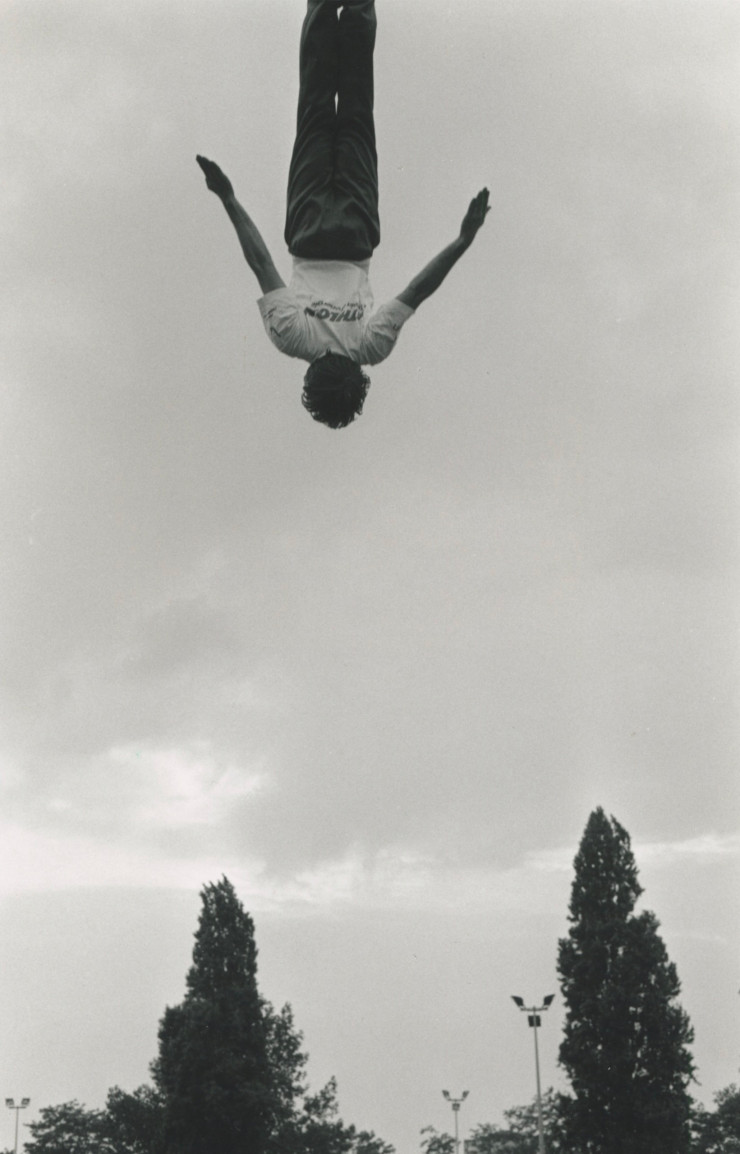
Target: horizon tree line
point(230, 1073)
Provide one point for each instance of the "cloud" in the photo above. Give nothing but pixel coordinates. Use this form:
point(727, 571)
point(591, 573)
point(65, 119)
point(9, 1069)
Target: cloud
point(171, 788)
point(36, 861)
point(169, 803)
point(390, 880)
point(138, 816)
point(510, 579)
point(402, 879)
point(706, 848)
point(146, 803)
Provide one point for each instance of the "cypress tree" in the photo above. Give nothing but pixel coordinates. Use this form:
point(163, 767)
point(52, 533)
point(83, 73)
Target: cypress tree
point(625, 1037)
point(212, 1070)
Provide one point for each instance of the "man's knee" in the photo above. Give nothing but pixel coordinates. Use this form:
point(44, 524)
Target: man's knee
point(359, 14)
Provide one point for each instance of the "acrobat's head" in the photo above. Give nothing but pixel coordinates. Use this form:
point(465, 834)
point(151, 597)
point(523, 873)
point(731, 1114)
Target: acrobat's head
point(334, 390)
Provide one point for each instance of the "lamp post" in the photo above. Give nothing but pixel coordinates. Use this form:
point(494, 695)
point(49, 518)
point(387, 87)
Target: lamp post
point(456, 1103)
point(535, 1022)
point(10, 1103)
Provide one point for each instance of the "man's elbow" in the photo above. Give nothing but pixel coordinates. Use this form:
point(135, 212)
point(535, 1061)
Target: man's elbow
point(268, 276)
point(412, 296)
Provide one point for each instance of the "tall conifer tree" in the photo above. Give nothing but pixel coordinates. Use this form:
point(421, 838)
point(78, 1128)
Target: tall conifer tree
point(625, 1039)
point(213, 1070)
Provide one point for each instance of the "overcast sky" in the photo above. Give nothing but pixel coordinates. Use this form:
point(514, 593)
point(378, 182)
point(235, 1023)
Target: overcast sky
point(378, 677)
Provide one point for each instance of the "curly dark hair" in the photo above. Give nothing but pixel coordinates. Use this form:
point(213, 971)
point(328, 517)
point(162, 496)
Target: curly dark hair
point(334, 390)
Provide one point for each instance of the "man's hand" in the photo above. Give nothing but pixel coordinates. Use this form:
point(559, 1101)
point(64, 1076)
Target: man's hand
point(215, 178)
point(431, 277)
point(475, 216)
point(255, 250)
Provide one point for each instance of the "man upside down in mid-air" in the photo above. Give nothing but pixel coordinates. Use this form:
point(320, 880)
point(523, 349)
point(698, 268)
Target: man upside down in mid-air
point(325, 316)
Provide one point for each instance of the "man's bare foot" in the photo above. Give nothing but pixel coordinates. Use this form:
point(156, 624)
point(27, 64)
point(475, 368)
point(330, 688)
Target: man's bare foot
point(215, 178)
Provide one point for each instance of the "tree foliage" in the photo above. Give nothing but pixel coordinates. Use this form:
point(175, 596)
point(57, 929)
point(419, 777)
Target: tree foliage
point(435, 1142)
point(488, 1139)
point(285, 1055)
point(129, 1124)
point(718, 1131)
point(69, 1128)
point(230, 1075)
point(625, 1038)
point(212, 1070)
point(523, 1121)
point(134, 1123)
point(231, 1070)
point(520, 1134)
point(316, 1128)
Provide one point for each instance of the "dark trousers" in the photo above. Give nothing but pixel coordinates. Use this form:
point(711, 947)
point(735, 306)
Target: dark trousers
point(333, 182)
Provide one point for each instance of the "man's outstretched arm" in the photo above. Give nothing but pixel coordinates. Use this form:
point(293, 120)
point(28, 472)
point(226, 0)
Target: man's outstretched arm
point(431, 277)
point(253, 246)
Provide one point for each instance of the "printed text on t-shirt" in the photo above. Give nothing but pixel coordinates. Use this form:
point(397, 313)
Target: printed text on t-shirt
point(325, 311)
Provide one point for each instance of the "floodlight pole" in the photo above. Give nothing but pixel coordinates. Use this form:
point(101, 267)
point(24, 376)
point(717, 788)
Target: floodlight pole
point(533, 1018)
point(456, 1104)
point(10, 1103)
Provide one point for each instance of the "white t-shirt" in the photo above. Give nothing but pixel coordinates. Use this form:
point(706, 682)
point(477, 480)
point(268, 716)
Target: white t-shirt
point(329, 306)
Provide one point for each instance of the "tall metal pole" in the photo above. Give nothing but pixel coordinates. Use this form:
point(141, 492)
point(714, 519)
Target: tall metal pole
point(533, 1013)
point(456, 1104)
point(10, 1103)
point(539, 1088)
